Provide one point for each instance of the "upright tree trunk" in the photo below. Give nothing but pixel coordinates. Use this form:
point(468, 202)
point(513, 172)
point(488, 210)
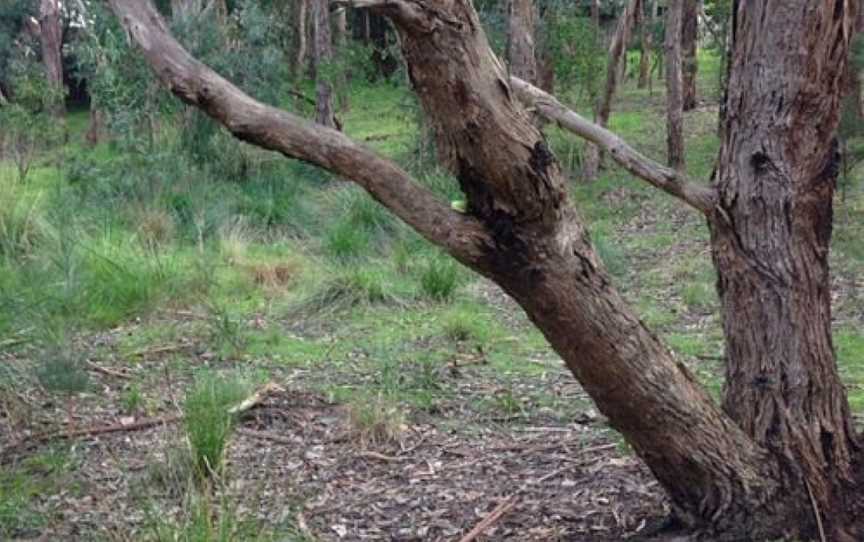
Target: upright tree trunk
point(674, 104)
point(96, 127)
point(617, 51)
point(51, 41)
point(301, 49)
point(520, 40)
point(344, 88)
point(776, 176)
point(647, 33)
point(856, 69)
point(690, 62)
point(322, 53)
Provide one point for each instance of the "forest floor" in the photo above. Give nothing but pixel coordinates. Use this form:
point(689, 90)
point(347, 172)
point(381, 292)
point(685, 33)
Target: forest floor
point(392, 394)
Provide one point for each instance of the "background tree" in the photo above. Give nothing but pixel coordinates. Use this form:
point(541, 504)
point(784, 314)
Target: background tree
point(322, 54)
point(647, 38)
point(520, 40)
point(690, 61)
point(51, 40)
point(299, 17)
point(617, 52)
point(674, 86)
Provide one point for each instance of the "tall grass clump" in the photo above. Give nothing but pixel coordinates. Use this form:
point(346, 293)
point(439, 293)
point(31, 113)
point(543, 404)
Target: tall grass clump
point(119, 280)
point(439, 278)
point(610, 254)
point(345, 241)
point(22, 221)
point(207, 418)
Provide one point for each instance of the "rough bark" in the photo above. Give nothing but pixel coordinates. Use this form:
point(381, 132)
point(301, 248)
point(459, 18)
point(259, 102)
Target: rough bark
point(674, 86)
point(322, 53)
point(520, 231)
point(520, 40)
point(776, 177)
point(690, 62)
point(617, 49)
point(51, 41)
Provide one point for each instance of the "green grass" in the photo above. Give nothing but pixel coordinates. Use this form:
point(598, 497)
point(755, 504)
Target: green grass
point(850, 357)
point(207, 419)
point(25, 486)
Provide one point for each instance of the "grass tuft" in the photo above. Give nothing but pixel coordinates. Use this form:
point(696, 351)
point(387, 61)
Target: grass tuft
point(207, 419)
point(376, 421)
point(439, 278)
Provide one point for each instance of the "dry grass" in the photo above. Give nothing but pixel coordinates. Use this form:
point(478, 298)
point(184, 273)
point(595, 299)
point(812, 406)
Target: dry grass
point(376, 421)
point(273, 275)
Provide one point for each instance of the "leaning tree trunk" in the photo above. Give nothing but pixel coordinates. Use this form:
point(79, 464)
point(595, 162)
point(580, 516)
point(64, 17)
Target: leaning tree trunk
point(674, 104)
point(51, 41)
point(617, 51)
point(690, 62)
point(322, 53)
point(520, 40)
point(520, 231)
point(770, 240)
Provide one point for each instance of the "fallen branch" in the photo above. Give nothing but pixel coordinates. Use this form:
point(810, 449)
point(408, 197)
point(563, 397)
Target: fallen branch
point(133, 426)
point(108, 372)
point(263, 435)
point(666, 179)
point(493, 516)
point(380, 457)
point(31, 441)
point(256, 398)
point(158, 350)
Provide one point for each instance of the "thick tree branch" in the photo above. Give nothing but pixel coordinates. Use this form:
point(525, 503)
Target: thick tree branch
point(277, 130)
point(662, 177)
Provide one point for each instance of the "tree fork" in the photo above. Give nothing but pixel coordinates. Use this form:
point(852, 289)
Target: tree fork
point(521, 232)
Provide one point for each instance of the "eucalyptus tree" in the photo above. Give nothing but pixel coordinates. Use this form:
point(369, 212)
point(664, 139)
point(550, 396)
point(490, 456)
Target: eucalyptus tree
point(780, 453)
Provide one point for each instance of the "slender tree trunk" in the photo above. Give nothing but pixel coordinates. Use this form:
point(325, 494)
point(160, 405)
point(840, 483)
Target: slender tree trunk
point(647, 30)
point(341, 41)
point(617, 51)
point(520, 40)
point(322, 53)
point(690, 62)
point(595, 13)
point(674, 105)
point(301, 49)
point(856, 70)
point(546, 60)
point(51, 40)
point(732, 480)
point(777, 173)
point(96, 128)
